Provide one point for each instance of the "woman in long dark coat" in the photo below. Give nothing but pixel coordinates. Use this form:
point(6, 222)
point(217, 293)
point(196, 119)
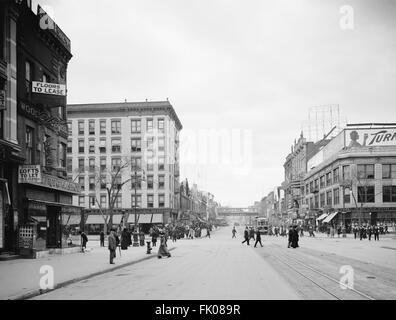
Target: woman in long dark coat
point(290, 238)
point(294, 240)
point(163, 250)
point(125, 238)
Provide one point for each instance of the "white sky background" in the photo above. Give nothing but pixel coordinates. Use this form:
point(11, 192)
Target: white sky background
point(233, 64)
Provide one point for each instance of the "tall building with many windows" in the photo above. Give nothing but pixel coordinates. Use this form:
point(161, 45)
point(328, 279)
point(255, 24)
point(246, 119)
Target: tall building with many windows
point(125, 156)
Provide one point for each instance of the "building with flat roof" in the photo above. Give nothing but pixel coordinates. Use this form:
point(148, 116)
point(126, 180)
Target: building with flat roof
point(352, 180)
point(125, 156)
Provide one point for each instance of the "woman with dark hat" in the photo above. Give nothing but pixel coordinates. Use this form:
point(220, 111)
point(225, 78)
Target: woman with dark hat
point(163, 250)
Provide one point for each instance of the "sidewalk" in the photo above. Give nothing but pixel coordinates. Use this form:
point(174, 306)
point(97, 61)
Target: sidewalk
point(20, 279)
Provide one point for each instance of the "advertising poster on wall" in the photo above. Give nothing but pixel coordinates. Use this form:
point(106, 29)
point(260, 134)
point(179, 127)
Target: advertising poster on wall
point(370, 137)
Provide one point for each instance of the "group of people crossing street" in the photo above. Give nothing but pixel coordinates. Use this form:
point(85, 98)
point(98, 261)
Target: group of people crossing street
point(365, 232)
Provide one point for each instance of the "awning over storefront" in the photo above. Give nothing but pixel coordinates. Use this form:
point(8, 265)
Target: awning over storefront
point(330, 217)
point(70, 219)
point(146, 218)
point(322, 216)
point(98, 219)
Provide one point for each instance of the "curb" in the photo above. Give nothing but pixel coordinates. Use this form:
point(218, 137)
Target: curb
point(38, 292)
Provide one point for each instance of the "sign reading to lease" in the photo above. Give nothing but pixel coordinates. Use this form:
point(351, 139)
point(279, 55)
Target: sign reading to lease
point(49, 88)
point(29, 174)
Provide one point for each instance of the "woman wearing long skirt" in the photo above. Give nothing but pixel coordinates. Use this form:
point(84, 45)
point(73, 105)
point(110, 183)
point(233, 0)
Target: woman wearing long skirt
point(163, 250)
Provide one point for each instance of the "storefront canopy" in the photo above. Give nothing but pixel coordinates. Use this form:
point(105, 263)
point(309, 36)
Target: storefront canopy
point(98, 219)
point(72, 219)
point(146, 218)
point(322, 216)
point(330, 217)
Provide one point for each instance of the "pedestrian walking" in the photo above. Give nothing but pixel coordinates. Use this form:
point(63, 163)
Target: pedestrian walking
point(294, 240)
point(290, 238)
point(376, 233)
point(112, 246)
point(84, 240)
point(234, 232)
point(355, 231)
point(251, 233)
point(258, 238)
point(207, 233)
point(163, 249)
point(246, 236)
point(369, 232)
point(154, 236)
point(301, 231)
point(339, 231)
point(102, 237)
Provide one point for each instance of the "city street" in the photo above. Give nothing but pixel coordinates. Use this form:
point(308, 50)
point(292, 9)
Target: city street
point(223, 268)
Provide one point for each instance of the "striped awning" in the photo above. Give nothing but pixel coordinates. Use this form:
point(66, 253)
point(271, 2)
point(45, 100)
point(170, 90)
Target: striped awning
point(71, 219)
point(322, 216)
point(330, 217)
point(98, 219)
point(146, 218)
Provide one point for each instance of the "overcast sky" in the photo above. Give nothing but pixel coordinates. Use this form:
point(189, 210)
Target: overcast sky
point(235, 65)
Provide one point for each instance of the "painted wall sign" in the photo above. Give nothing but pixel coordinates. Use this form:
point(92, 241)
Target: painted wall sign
point(29, 173)
point(61, 184)
point(370, 137)
point(49, 88)
point(44, 117)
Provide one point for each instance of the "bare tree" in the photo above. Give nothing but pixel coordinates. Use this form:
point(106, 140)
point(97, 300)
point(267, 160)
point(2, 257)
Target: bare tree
point(111, 180)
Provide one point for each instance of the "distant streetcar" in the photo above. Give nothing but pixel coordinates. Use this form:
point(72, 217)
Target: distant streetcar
point(262, 225)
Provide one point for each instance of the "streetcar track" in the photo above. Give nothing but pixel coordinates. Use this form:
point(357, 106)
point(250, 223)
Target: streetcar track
point(321, 274)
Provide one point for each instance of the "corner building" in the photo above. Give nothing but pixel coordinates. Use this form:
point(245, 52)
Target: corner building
point(141, 137)
point(352, 180)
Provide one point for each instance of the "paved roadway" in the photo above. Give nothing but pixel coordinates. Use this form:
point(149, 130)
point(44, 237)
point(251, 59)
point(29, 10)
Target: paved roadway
point(223, 268)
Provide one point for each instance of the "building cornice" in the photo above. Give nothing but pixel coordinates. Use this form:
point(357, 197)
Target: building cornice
point(126, 108)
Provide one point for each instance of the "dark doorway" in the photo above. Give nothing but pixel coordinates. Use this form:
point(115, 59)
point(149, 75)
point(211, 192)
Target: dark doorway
point(53, 227)
point(8, 229)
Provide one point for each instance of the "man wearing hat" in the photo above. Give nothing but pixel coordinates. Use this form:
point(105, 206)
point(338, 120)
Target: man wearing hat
point(112, 246)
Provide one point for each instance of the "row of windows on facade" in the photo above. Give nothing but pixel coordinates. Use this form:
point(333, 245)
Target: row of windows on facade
point(365, 194)
point(32, 75)
point(136, 126)
point(364, 171)
point(136, 201)
point(116, 164)
point(135, 182)
point(136, 145)
point(39, 154)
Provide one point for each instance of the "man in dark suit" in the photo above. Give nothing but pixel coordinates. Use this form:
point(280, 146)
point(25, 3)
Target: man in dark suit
point(102, 238)
point(112, 246)
point(258, 238)
point(246, 235)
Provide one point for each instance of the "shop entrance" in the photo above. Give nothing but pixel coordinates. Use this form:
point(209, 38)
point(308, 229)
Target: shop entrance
point(54, 235)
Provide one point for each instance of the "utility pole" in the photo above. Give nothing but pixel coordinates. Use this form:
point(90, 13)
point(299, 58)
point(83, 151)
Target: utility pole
point(135, 181)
